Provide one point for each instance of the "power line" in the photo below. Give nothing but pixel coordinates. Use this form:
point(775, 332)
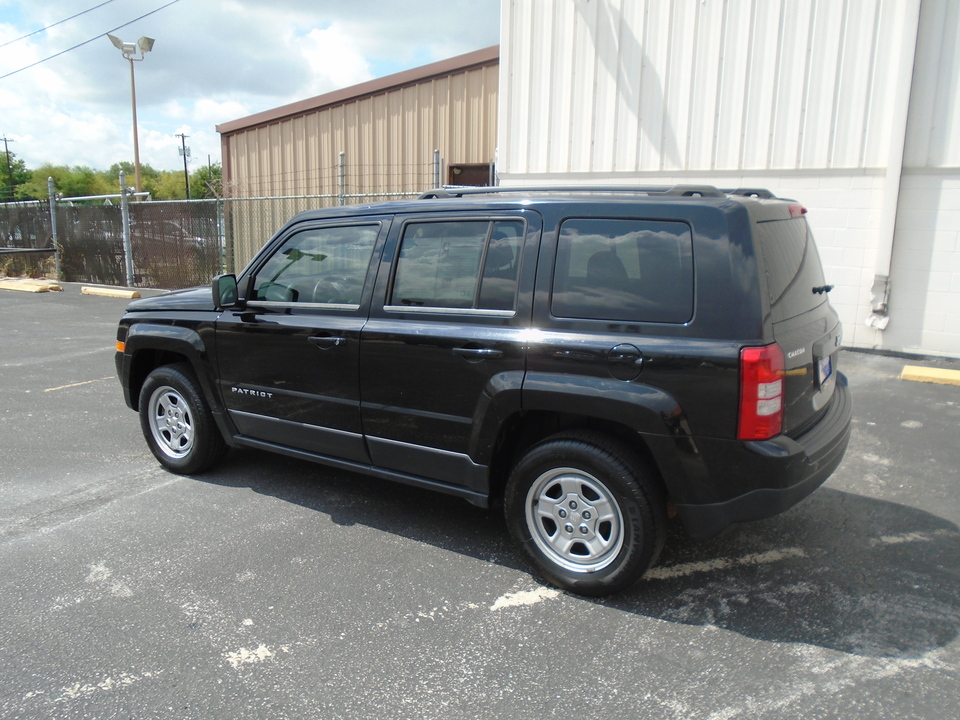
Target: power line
point(59, 22)
point(86, 42)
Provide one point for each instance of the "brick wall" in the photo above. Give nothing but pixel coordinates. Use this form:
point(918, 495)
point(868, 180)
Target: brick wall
point(925, 278)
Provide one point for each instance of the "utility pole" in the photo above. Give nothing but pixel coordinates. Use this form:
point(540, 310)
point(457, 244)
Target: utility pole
point(185, 151)
point(6, 147)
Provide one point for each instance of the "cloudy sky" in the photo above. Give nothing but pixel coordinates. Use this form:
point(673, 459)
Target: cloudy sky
point(213, 61)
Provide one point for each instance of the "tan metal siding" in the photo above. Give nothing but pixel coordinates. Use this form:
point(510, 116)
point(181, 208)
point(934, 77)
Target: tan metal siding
point(388, 139)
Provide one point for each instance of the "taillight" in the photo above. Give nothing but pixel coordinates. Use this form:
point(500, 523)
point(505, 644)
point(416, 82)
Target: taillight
point(761, 392)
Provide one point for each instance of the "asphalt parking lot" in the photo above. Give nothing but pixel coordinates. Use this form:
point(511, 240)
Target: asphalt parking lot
point(273, 588)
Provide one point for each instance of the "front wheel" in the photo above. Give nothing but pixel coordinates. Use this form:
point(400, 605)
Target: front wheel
point(586, 512)
point(177, 422)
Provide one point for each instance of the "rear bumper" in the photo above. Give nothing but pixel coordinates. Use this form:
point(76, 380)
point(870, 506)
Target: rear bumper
point(781, 472)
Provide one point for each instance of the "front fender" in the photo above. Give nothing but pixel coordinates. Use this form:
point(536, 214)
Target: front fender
point(149, 344)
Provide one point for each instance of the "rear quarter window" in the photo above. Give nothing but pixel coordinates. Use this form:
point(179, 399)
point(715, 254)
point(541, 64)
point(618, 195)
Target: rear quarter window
point(624, 270)
point(792, 267)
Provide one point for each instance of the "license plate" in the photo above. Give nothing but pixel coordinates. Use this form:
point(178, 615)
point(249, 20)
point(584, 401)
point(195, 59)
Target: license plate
point(824, 370)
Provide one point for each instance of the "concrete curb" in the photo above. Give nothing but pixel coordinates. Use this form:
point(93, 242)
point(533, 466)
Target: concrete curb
point(930, 375)
point(110, 292)
point(30, 285)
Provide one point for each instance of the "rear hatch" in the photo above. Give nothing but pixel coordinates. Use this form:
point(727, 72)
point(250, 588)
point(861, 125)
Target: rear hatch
point(805, 326)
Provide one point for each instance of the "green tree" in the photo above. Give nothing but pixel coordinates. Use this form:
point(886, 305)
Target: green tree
point(13, 176)
point(207, 182)
point(170, 186)
point(149, 176)
point(74, 181)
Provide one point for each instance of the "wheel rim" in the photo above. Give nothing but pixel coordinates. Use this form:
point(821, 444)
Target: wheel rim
point(171, 422)
point(574, 519)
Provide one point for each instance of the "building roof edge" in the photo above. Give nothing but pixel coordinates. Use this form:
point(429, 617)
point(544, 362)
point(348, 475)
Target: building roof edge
point(477, 58)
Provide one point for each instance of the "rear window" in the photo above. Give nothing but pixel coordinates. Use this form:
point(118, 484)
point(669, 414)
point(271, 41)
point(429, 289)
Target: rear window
point(792, 267)
point(625, 270)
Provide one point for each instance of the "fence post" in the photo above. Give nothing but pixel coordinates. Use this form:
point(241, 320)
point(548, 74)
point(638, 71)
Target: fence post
point(341, 186)
point(226, 256)
point(436, 168)
point(53, 227)
point(125, 215)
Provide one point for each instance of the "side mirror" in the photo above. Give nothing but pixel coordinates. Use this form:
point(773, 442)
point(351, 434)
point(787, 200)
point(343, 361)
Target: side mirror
point(225, 291)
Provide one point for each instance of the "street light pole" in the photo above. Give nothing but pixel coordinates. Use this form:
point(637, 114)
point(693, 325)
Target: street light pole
point(136, 138)
point(143, 45)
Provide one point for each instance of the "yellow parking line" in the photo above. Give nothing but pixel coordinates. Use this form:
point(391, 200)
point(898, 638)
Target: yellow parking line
point(85, 382)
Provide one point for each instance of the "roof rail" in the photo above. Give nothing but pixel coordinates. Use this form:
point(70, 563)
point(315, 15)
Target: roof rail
point(459, 191)
point(758, 193)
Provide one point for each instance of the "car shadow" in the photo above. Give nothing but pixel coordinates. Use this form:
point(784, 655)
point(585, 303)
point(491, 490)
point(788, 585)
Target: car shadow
point(839, 571)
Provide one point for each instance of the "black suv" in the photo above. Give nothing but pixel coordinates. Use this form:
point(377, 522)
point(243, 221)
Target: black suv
point(593, 359)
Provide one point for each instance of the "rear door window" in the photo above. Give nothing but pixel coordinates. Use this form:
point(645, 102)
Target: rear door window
point(463, 264)
point(624, 270)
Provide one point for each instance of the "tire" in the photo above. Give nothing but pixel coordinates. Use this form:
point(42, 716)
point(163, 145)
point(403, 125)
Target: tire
point(587, 513)
point(177, 422)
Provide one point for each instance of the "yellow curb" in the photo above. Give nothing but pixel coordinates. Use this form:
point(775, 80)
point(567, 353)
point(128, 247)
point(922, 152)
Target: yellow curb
point(930, 375)
point(35, 286)
point(110, 292)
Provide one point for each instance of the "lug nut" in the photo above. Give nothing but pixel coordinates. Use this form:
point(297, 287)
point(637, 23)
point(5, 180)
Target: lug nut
point(586, 514)
point(562, 513)
point(584, 529)
point(573, 504)
point(568, 528)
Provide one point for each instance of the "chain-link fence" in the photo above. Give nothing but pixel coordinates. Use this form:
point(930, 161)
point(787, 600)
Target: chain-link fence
point(183, 243)
point(26, 237)
point(175, 244)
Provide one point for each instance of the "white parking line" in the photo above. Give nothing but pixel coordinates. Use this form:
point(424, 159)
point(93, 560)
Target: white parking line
point(524, 597)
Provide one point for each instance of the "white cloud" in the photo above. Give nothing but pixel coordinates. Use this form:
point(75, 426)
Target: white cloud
point(214, 112)
point(214, 61)
point(335, 60)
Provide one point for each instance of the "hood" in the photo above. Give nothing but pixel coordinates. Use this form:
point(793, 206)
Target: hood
point(200, 299)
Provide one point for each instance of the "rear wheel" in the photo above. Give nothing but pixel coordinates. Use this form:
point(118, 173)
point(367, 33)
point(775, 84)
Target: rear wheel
point(177, 422)
point(587, 512)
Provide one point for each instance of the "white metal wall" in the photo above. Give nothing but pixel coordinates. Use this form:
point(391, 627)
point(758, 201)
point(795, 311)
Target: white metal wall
point(654, 85)
point(798, 95)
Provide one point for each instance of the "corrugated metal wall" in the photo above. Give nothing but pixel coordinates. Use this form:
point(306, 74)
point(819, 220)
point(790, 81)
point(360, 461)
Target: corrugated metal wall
point(933, 140)
point(704, 85)
point(388, 140)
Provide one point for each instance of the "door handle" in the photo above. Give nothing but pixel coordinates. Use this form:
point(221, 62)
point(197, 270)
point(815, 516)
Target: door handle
point(478, 353)
point(325, 343)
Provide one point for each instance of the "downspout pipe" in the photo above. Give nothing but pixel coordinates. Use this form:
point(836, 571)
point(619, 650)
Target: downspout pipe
point(910, 24)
